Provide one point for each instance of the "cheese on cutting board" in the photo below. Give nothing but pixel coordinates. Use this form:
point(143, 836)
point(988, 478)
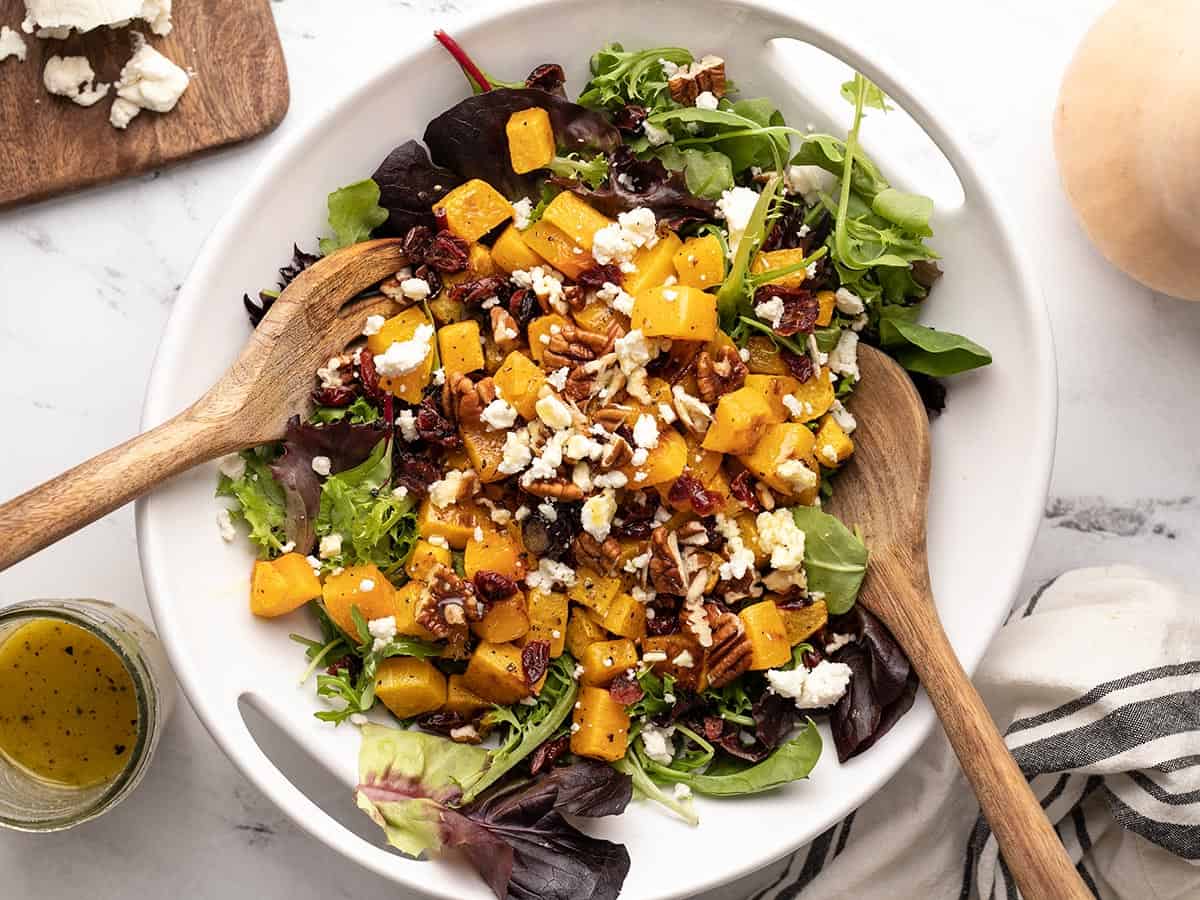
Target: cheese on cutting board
point(148, 81)
point(58, 18)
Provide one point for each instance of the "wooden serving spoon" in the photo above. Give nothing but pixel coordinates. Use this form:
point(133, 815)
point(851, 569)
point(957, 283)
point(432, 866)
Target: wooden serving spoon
point(271, 380)
point(885, 491)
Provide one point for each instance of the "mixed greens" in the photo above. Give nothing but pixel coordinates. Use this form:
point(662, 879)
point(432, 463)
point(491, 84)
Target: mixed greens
point(560, 513)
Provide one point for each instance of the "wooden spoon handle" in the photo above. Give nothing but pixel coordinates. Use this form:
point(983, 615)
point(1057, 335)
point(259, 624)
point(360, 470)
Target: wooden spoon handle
point(1031, 848)
point(95, 488)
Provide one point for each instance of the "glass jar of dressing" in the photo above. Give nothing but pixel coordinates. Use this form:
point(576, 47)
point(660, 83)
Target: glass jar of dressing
point(85, 692)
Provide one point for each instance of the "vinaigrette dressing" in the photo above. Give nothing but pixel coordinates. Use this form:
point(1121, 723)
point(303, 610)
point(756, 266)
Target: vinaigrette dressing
point(68, 706)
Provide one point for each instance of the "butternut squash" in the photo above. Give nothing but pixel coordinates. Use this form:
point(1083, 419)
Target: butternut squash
point(495, 672)
point(408, 598)
point(769, 644)
point(605, 660)
point(399, 328)
point(700, 262)
point(460, 348)
point(540, 330)
point(594, 591)
point(302, 582)
point(268, 591)
point(424, 558)
point(653, 265)
point(737, 422)
point(582, 631)
point(626, 617)
point(409, 686)
point(510, 252)
point(826, 302)
point(678, 312)
point(494, 551)
point(461, 700)
point(519, 380)
point(764, 357)
point(530, 139)
point(473, 209)
point(664, 463)
point(575, 218)
point(364, 587)
point(801, 624)
point(506, 620)
point(455, 523)
point(833, 445)
point(603, 731)
point(779, 444)
point(774, 388)
point(485, 450)
point(779, 259)
point(555, 246)
point(548, 620)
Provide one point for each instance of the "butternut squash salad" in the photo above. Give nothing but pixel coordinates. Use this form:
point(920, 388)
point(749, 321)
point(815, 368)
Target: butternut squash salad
point(561, 510)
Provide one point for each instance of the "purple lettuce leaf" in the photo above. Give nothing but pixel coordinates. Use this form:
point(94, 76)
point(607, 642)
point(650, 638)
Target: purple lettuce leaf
point(637, 182)
point(346, 444)
point(409, 185)
point(470, 140)
point(882, 685)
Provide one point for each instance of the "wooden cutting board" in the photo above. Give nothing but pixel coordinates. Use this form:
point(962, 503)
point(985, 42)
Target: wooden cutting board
point(49, 144)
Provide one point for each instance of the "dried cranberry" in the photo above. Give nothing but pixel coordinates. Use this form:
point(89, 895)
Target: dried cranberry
point(547, 753)
point(800, 308)
point(448, 253)
point(810, 658)
point(666, 615)
point(443, 722)
point(626, 690)
point(370, 376)
point(688, 489)
point(636, 515)
point(535, 660)
point(594, 278)
point(524, 307)
point(413, 472)
point(714, 727)
point(548, 77)
point(742, 488)
point(545, 538)
point(416, 242)
point(334, 396)
point(434, 426)
point(432, 278)
point(349, 664)
point(476, 291)
point(494, 587)
point(800, 367)
point(629, 119)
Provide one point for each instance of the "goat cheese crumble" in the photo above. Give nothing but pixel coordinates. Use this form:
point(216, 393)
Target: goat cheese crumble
point(814, 688)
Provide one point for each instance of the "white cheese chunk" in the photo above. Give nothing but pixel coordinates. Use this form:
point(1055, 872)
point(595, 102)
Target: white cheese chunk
point(57, 18)
point(11, 44)
point(814, 688)
point(148, 81)
point(72, 77)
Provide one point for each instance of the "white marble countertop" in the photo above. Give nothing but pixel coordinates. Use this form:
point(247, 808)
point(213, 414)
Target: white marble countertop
point(87, 282)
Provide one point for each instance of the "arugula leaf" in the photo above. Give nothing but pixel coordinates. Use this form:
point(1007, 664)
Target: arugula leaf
point(591, 171)
point(261, 502)
point(707, 173)
point(909, 211)
point(735, 132)
point(528, 726)
point(829, 153)
point(654, 690)
point(354, 212)
point(631, 765)
point(793, 760)
point(757, 150)
point(733, 297)
point(834, 557)
point(620, 77)
point(925, 350)
point(874, 97)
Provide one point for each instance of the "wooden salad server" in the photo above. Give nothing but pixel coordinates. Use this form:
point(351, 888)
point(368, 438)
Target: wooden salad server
point(885, 491)
point(313, 319)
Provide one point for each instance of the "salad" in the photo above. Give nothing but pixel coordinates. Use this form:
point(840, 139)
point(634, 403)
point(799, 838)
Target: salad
point(560, 512)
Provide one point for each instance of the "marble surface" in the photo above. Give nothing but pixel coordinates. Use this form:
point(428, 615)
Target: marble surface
point(87, 282)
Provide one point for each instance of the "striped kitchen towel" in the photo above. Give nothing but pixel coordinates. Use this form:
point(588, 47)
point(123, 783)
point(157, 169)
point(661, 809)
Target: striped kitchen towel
point(1097, 680)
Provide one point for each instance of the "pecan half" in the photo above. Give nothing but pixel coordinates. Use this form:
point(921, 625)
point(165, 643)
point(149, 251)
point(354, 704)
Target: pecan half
point(708, 74)
point(390, 288)
point(447, 604)
point(729, 655)
point(617, 453)
point(719, 374)
point(556, 488)
point(693, 413)
point(573, 346)
point(610, 418)
point(505, 330)
point(470, 398)
point(598, 556)
point(668, 573)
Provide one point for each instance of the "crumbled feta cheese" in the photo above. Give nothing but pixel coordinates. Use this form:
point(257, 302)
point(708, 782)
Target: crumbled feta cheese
point(620, 240)
point(72, 77)
point(232, 466)
point(735, 207)
point(544, 282)
point(814, 688)
point(383, 630)
point(330, 546)
point(794, 407)
point(439, 376)
point(666, 413)
point(658, 743)
point(771, 311)
point(321, 465)
point(843, 417)
point(406, 421)
point(634, 350)
point(403, 357)
point(517, 454)
point(11, 44)
point(681, 791)
point(838, 641)
point(554, 412)
point(640, 226)
point(684, 660)
point(367, 584)
point(498, 415)
point(656, 135)
point(56, 18)
point(148, 81)
point(818, 356)
point(415, 289)
point(373, 324)
point(225, 525)
point(654, 656)
point(400, 492)
point(844, 358)
point(829, 454)
point(547, 511)
point(809, 181)
point(645, 432)
point(706, 100)
point(613, 479)
point(521, 212)
point(358, 719)
point(741, 558)
point(558, 378)
point(550, 572)
point(779, 535)
point(848, 302)
point(438, 541)
point(449, 488)
point(615, 297)
point(640, 455)
point(597, 515)
point(798, 477)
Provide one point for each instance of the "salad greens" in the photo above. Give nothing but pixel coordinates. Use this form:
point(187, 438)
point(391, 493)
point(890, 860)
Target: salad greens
point(261, 502)
point(835, 558)
point(621, 77)
point(354, 212)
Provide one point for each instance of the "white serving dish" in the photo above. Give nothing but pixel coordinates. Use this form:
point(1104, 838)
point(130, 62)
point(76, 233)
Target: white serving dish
point(992, 450)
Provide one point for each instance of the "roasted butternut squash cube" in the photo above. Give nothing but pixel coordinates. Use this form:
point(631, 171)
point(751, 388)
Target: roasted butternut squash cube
point(479, 265)
point(519, 379)
point(779, 445)
point(505, 620)
point(678, 312)
point(460, 348)
point(653, 265)
point(455, 523)
point(575, 218)
point(774, 388)
point(803, 623)
point(496, 673)
point(398, 329)
point(540, 331)
point(594, 591)
point(664, 463)
point(605, 660)
point(781, 259)
point(626, 617)
point(700, 262)
point(678, 655)
point(364, 587)
point(498, 551)
point(461, 700)
point(765, 358)
point(485, 450)
point(583, 630)
point(598, 316)
point(510, 252)
point(408, 599)
point(815, 395)
point(826, 301)
point(409, 686)
point(603, 731)
point(548, 620)
point(737, 422)
point(473, 209)
point(268, 591)
point(302, 582)
point(769, 645)
point(834, 446)
point(424, 558)
point(530, 139)
point(749, 530)
point(555, 246)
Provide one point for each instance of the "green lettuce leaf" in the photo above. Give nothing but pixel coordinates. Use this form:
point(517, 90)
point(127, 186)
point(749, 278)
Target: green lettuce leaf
point(354, 212)
point(835, 558)
point(926, 350)
point(910, 211)
point(708, 173)
point(620, 77)
point(261, 502)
